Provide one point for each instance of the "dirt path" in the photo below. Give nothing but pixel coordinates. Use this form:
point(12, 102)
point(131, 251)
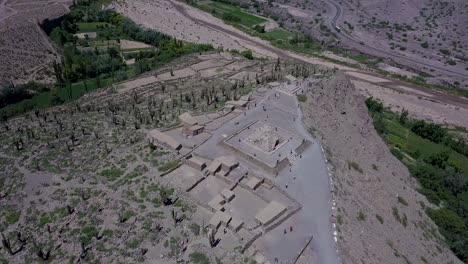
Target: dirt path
point(364, 76)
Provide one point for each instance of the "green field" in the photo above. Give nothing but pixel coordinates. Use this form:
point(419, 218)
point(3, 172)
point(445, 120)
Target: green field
point(91, 26)
point(246, 19)
point(279, 34)
point(46, 99)
point(410, 143)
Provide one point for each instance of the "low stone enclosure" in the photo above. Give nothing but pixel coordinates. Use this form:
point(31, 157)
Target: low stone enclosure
point(244, 204)
point(267, 146)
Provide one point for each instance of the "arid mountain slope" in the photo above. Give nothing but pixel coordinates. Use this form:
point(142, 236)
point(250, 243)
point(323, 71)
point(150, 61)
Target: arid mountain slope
point(380, 215)
point(27, 52)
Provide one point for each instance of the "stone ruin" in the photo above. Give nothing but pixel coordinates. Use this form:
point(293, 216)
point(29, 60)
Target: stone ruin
point(266, 138)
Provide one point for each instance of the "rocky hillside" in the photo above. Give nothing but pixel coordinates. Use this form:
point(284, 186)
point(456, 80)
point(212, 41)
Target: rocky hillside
point(380, 216)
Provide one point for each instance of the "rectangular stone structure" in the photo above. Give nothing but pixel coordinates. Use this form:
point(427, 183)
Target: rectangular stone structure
point(270, 213)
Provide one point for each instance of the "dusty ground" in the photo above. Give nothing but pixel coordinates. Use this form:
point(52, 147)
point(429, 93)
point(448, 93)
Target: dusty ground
point(367, 181)
point(393, 30)
point(201, 22)
point(27, 53)
point(162, 16)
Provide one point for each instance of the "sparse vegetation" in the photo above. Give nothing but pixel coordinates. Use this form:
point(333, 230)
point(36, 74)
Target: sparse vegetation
point(199, 258)
point(361, 216)
point(168, 166)
point(379, 218)
point(402, 201)
point(302, 98)
point(12, 218)
point(353, 165)
point(247, 54)
point(437, 159)
point(93, 64)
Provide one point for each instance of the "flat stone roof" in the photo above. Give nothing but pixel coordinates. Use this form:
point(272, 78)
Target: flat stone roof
point(235, 224)
point(237, 103)
point(227, 194)
point(214, 166)
point(253, 183)
point(197, 160)
point(228, 161)
point(216, 203)
point(188, 119)
point(290, 77)
point(270, 213)
point(159, 136)
point(220, 218)
point(195, 127)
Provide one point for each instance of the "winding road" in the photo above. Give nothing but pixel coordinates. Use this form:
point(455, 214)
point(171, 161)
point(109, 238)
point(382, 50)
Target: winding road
point(359, 44)
point(389, 83)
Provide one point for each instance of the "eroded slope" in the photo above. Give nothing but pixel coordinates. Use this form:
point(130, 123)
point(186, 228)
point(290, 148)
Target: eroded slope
point(380, 215)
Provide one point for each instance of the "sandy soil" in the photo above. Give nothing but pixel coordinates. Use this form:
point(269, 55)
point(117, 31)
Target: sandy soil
point(202, 22)
point(161, 15)
point(367, 77)
point(337, 57)
point(419, 106)
point(396, 70)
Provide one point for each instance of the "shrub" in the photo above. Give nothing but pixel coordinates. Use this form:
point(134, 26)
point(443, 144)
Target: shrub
point(445, 52)
point(397, 153)
point(433, 132)
point(247, 54)
point(12, 218)
point(361, 216)
point(195, 229)
point(374, 106)
point(425, 45)
point(396, 214)
point(302, 98)
point(112, 173)
point(379, 218)
point(355, 166)
point(168, 166)
point(199, 258)
point(260, 29)
point(231, 18)
point(402, 201)
point(451, 62)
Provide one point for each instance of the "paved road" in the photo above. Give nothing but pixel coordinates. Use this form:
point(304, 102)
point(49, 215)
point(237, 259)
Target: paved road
point(392, 83)
point(357, 43)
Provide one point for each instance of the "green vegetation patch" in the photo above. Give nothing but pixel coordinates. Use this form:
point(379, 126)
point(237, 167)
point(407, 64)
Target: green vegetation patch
point(302, 98)
point(12, 218)
point(112, 174)
point(438, 159)
point(84, 27)
point(232, 13)
point(90, 64)
point(199, 258)
point(168, 166)
point(279, 34)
